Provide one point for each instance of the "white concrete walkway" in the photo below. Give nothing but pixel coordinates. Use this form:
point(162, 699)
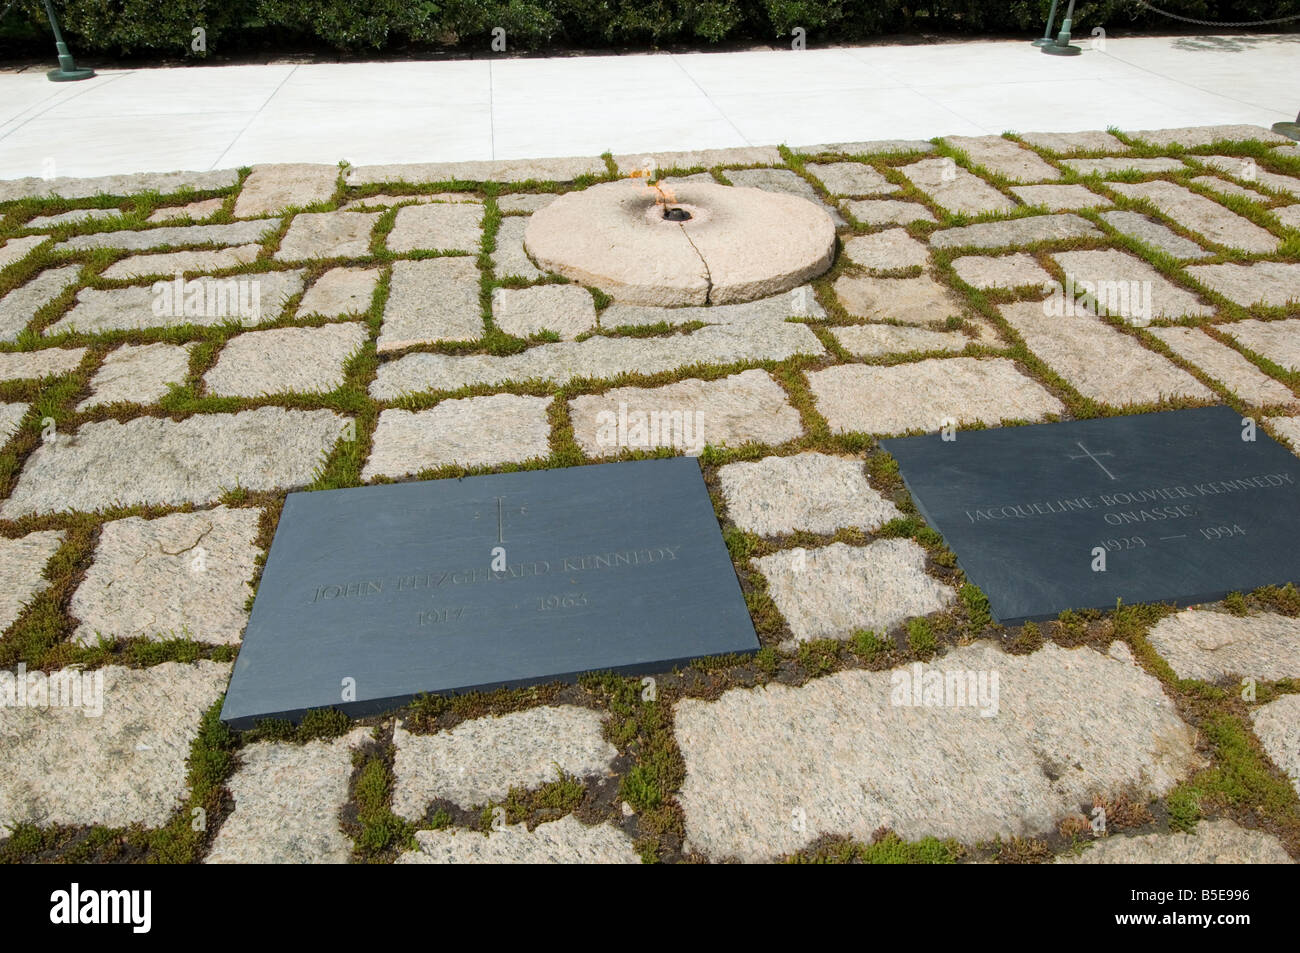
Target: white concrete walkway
point(217, 117)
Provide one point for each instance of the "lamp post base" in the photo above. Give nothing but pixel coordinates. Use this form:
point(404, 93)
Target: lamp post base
point(69, 75)
point(1289, 129)
point(1043, 41)
point(1054, 49)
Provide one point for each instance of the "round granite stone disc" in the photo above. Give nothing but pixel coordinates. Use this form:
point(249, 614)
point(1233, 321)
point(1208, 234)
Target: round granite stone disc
point(739, 244)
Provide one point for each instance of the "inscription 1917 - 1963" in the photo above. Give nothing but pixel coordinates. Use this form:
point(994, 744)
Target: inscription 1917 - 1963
point(374, 595)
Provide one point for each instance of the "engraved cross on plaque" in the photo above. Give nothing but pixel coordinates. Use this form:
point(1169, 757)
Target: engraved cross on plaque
point(1089, 455)
point(502, 512)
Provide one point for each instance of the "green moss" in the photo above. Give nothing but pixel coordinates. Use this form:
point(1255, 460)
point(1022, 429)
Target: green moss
point(921, 639)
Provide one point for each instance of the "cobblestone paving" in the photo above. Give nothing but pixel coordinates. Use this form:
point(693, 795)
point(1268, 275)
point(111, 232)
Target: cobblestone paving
point(178, 351)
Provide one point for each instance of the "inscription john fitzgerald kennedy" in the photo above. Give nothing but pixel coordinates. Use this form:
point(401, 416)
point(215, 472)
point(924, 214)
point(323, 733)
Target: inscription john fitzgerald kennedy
point(590, 562)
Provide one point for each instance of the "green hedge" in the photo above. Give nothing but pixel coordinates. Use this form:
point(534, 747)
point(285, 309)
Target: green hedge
point(164, 26)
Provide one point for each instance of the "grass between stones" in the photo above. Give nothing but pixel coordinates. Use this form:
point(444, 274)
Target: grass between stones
point(1239, 780)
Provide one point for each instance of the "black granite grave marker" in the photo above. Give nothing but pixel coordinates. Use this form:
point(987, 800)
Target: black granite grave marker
point(374, 595)
point(1180, 506)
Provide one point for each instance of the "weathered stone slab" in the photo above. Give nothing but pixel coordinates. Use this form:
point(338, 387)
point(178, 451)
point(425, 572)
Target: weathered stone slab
point(22, 568)
point(913, 300)
point(439, 226)
point(287, 801)
point(888, 212)
point(1289, 216)
point(525, 202)
point(237, 233)
point(1004, 157)
point(1278, 726)
point(1287, 429)
point(783, 182)
point(1212, 646)
point(138, 373)
point(1101, 362)
point(480, 760)
point(887, 250)
point(16, 249)
point(1248, 170)
point(196, 211)
point(1189, 137)
point(1004, 271)
point(748, 407)
point(509, 257)
point(873, 340)
point(1125, 286)
point(185, 575)
point(340, 291)
point(1214, 842)
point(77, 215)
point(1064, 143)
point(242, 299)
point(1059, 198)
point(19, 307)
point(123, 766)
point(1279, 341)
point(1108, 166)
point(1016, 231)
point(1065, 726)
point(156, 460)
point(870, 147)
point(434, 299)
point(164, 183)
point(1273, 283)
point(270, 189)
point(492, 170)
point(923, 395)
point(798, 302)
point(567, 310)
point(1223, 187)
point(1226, 366)
point(955, 189)
point(10, 417)
point(596, 358)
point(187, 262)
point(285, 361)
point(566, 841)
point(833, 591)
point(470, 432)
point(384, 200)
point(1199, 214)
point(34, 365)
point(327, 235)
point(698, 158)
point(851, 178)
point(1154, 234)
point(813, 492)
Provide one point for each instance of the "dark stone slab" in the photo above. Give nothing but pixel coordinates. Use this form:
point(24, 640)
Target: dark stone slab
point(615, 566)
point(1184, 509)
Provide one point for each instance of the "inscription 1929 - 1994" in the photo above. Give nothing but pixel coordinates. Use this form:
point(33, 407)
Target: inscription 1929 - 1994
point(1181, 506)
point(374, 595)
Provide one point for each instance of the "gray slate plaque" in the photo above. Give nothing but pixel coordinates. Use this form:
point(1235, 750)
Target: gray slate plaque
point(1181, 507)
point(613, 566)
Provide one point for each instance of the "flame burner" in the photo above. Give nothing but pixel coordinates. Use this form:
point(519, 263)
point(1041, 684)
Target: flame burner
point(698, 243)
